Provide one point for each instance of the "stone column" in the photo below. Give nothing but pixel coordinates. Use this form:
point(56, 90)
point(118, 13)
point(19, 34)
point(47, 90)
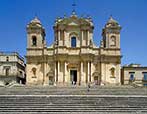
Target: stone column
point(82, 77)
point(63, 37)
point(88, 38)
point(58, 64)
point(55, 78)
point(59, 35)
point(65, 71)
point(82, 38)
point(88, 71)
point(46, 78)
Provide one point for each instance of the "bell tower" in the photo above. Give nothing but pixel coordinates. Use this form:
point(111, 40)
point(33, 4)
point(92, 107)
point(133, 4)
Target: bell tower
point(35, 53)
point(111, 34)
point(35, 34)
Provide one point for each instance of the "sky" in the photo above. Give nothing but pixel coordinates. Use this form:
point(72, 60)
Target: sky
point(131, 15)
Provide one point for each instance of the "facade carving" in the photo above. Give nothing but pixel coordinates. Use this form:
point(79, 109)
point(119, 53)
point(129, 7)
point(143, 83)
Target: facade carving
point(73, 58)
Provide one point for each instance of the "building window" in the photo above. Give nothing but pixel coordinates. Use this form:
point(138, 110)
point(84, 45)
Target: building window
point(34, 41)
point(73, 42)
point(132, 78)
point(7, 58)
point(145, 78)
point(20, 73)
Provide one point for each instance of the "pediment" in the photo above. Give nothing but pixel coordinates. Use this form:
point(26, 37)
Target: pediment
point(73, 21)
point(73, 24)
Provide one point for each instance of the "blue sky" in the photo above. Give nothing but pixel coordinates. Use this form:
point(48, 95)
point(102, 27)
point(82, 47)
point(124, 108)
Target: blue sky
point(131, 15)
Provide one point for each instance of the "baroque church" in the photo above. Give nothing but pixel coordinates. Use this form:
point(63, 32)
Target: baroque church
point(73, 58)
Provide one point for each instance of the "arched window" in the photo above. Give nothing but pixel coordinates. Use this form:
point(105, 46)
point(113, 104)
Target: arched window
point(34, 41)
point(73, 41)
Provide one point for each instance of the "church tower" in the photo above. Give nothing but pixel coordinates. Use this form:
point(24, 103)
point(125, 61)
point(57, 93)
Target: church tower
point(111, 34)
point(35, 34)
point(110, 53)
point(35, 68)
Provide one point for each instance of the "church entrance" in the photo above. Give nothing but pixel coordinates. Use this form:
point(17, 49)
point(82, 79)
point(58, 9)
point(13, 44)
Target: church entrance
point(73, 77)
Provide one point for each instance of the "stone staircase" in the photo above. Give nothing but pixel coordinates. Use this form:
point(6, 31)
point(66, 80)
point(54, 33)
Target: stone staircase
point(73, 90)
point(73, 100)
point(78, 104)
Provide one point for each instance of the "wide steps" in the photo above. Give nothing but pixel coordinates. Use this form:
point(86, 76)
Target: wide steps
point(70, 103)
point(75, 90)
point(74, 109)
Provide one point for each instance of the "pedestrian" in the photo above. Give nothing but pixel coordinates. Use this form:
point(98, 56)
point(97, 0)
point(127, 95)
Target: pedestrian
point(88, 87)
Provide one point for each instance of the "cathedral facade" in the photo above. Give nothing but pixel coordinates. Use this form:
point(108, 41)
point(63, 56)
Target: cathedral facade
point(73, 58)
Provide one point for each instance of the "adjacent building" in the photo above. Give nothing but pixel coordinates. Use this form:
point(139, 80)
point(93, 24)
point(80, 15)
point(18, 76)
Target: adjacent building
point(134, 73)
point(73, 58)
point(12, 68)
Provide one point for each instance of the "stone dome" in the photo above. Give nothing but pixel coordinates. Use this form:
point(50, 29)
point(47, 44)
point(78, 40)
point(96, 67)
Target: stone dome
point(36, 20)
point(112, 23)
point(35, 23)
